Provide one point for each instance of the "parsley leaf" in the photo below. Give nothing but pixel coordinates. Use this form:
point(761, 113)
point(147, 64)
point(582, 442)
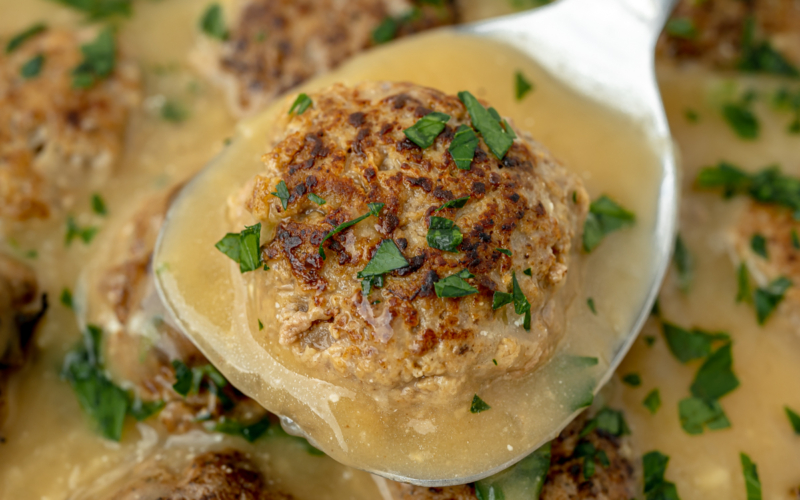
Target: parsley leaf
point(260, 325)
point(66, 299)
point(250, 432)
point(590, 303)
point(478, 405)
point(768, 186)
point(683, 264)
point(212, 22)
point(282, 192)
point(444, 235)
point(142, 410)
point(794, 419)
point(85, 234)
point(742, 120)
point(316, 199)
point(98, 205)
point(457, 203)
point(368, 283)
point(681, 27)
point(759, 245)
point(504, 251)
point(301, 104)
point(32, 67)
point(183, 377)
point(696, 413)
point(427, 129)
point(521, 85)
point(387, 258)
point(751, 480)
point(607, 420)
point(374, 209)
point(528, 272)
point(743, 293)
point(100, 9)
point(455, 285)
point(500, 299)
point(174, 112)
point(463, 146)
point(243, 248)
point(715, 378)
point(652, 401)
point(688, 345)
point(386, 31)
point(632, 379)
point(655, 486)
point(767, 299)
point(19, 39)
point(99, 60)
point(493, 133)
point(605, 216)
point(526, 478)
point(521, 304)
point(760, 57)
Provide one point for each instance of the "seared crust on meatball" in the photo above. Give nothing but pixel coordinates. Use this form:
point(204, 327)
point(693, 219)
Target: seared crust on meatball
point(349, 148)
point(277, 44)
point(565, 480)
point(54, 137)
point(714, 30)
point(221, 475)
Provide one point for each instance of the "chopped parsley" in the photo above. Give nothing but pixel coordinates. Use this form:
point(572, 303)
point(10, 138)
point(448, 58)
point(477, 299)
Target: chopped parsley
point(243, 247)
point(250, 432)
point(525, 478)
point(697, 413)
point(528, 272)
point(794, 419)
point(684, 265)
point(742, 120)
point(212, 22)
point(605, 216)
point(427, 129)
point(191, 380)
point(19, 39)
point(607, 420)
point(521, 85)
point(368, 283)
point(743, 292)
point(652, 401)
point(632, 379)
point(521, 304)
point(655, 486)
point(32, 67)
point(174, 112)
point(85, 234)
point(316, 199)
point(457, 203)
point(681, 27)
point(96, 10)
point(767, 186)
point(386, 31)
point(455, 285)
point(99, 205)
point(374, 210)
point(183, 377)
point(751, 481)
point(301, 104)
point(444, 235)
point(478, 405)
point(282, 193)
point(590, 303)
point(504, 251)
point(591, 457)
point(260, 325)
point(495, 136)
point(760, 57)
point(99, 60)
point(66, 299)
point(715, 378)
point(691, 116)
point(463, 146)
point(759, 245)
point(650, 340)
point(767, 299)
point(687, 345)
point(387, 258)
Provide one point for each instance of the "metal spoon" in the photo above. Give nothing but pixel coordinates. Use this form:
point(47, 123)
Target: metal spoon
point(604, 50)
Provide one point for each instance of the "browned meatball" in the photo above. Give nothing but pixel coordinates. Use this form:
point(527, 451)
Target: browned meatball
point(54, 137)
point(522, 217)
point(277, 44)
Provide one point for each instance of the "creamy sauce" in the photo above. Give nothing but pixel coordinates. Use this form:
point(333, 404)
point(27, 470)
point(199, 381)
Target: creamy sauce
point(612, 155)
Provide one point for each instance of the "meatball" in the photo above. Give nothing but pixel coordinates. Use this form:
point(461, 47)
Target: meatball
point(277, 44)
point(55, 137)
point(516, 220)
point(714, 31)
point(565, 480)
point(218, 475)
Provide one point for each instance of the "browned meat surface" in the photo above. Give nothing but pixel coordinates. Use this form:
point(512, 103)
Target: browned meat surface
point(276, 44)
point(349, 148)
point(223, 475)
point(566, 480)
point(713, 31)
point(54, 137)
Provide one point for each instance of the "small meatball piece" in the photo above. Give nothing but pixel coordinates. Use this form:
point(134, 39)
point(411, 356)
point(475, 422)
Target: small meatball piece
point(349, 148)
point(719, 31)
point(565, 479)
point(55, 138)
point(222, 475)
point(277, 44)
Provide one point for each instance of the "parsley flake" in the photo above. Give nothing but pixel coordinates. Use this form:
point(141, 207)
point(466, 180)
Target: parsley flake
point(457, 203)
point(374, 209)
point(684, 265)
point(742, 120)
point(243, 247)
point(521, 304)
point(493, 133)
point(681, 27)
point(607, 420)
point(528, 272)
point(751, 480)
point(767, 186)
point(715, 378)
point(174, 112)
point(652, 401)
point(99, 61)
point(760, 56)
point(632, 379)
point(590, 303)
point(250, 432)
point(697, 413)
point(605, 216)
point(691, 116)
point(455, 285)
point(19, 39)
point(767, 299)
point(462, 148)
point(316, 199)
point(427, 129)
point(98, 205)
point(478, 405)
point(212, 22)
point(504, 251)
point(743, 292)
point(96, 10)
point(521, 85)
point(687, 345)
point(85, 234)
point(759, 245)
point(386, 31)
point(655, 486)
point(183, 377)
point(32, 67)
point(525, 478)
point(444, 235)
point(301, 104)
point(260, 325)
point(387, 258)
point(66, 299)
point(282, 192)
point(794, 419)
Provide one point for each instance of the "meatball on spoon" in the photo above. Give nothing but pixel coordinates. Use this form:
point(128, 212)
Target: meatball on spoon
point(405, 274)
